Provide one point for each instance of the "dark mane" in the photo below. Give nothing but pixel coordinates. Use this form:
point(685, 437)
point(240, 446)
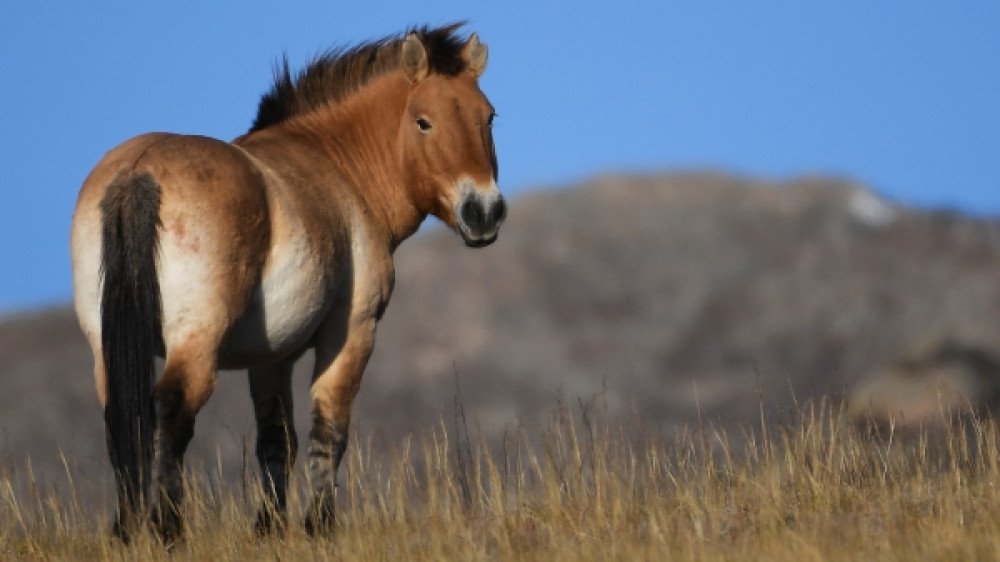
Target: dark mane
point(335, 74)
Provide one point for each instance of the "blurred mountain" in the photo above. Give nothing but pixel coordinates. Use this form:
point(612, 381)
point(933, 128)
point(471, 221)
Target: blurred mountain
point(662, 299)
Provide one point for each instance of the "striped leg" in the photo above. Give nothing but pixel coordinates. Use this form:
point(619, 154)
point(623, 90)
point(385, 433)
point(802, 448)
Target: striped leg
point(271, 390)
point(338, 377)
point(183, 389)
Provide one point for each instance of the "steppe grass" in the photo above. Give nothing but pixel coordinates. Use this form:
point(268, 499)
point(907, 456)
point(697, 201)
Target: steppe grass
point(808, 488)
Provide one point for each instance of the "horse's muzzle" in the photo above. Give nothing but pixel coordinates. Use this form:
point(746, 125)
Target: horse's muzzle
point(479, 219)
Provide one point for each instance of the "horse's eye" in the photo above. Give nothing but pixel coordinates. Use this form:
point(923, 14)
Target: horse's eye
point(489, 120)
point(424, 125)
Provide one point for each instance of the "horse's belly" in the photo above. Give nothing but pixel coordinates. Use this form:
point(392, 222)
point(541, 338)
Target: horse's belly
point(280, 320)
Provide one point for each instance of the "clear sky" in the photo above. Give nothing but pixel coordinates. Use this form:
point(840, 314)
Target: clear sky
point(901, 96)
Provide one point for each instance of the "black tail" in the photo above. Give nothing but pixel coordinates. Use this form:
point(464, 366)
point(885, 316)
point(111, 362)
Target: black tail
point(130, 331)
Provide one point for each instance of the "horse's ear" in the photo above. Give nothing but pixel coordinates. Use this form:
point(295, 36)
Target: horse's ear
point(474, 54)
point(414, 61)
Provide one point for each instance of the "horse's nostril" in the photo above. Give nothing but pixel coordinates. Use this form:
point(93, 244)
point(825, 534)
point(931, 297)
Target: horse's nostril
point(472, 213)
point(499, 211)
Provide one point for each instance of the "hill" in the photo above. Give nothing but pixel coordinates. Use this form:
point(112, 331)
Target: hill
point(663, 299)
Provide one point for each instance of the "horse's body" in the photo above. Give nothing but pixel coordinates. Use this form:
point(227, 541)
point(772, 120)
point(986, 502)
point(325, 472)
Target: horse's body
point(247, 254)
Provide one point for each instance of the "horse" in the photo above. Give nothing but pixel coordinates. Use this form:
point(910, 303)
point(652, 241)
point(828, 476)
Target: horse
point(246, 254)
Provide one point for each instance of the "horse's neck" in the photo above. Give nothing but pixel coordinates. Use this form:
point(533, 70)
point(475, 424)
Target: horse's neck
point(361, 136)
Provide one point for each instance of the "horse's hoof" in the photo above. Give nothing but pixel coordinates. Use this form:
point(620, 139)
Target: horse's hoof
point(320, 522)
point(169, 526)
point(120, 531)
point(268, 522)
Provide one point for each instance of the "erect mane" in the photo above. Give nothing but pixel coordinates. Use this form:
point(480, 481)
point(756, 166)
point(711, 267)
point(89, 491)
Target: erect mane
point(337, 73)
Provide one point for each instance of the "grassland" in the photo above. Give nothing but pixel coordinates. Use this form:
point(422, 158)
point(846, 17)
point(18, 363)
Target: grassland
point(808, 488)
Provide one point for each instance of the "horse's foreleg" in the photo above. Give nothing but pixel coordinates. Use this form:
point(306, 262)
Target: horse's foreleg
point(336, 383)
point(271, 390)
point(186, 384)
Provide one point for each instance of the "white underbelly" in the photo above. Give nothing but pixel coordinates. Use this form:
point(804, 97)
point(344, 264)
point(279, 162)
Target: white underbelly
point(281, 318)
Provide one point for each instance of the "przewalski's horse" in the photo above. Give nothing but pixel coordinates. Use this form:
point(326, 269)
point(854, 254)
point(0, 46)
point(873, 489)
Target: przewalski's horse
point(220, 255)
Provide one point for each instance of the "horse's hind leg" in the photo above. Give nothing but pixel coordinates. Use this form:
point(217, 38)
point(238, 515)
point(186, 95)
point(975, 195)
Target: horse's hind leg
point(187, 382)
point(271, 390)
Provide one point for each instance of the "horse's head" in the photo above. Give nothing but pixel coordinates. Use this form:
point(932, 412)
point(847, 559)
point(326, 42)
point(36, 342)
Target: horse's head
point(447, 142)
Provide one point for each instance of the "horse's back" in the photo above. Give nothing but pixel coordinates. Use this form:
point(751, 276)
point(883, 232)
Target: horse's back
point(213, 238)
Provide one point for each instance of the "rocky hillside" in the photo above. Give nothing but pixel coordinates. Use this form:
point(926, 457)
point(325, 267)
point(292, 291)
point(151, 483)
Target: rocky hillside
point(661, 297)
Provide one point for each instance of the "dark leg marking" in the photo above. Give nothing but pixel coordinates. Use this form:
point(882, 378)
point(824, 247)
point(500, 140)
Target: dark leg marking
point(327, 445)
point(277, 444)
point(174, 431)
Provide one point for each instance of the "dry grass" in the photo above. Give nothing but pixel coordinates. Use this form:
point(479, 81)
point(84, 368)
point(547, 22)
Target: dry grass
point(581, 490)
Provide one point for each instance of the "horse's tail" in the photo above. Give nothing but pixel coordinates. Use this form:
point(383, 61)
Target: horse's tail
point(130, 331)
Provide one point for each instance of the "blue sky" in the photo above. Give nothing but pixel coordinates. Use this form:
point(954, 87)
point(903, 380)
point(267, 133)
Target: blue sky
point(901, 96)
